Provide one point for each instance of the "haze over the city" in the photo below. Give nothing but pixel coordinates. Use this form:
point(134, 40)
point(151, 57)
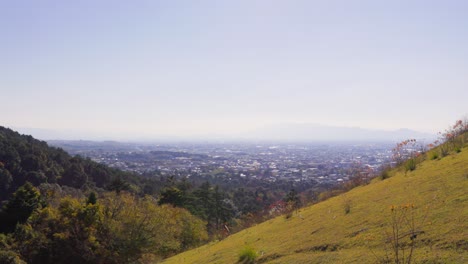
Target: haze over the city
point(156, 69)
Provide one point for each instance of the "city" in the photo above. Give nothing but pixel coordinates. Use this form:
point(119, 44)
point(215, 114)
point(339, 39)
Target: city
point(323, 163)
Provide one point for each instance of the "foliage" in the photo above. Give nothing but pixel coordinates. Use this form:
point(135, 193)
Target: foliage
point(118, 185)
point(385, 172)
point(92, 199)
point(18, 209)
point(248, 255)
point(117, 228)
point(293, 199)
point(454, 138)
point(25, 159)
point(410, 165)
point(207, 202)
point(404, 150)
point(10, 257)
point(433, 155)
point(7, 255)
point(138, 226)
point(172, 195)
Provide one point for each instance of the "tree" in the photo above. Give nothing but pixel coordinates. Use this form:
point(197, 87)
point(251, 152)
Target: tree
point(293, 200)
point(203, 202)
point(68, 233)
point(5, 180)
point(172, 195)
point(248, 201)
point(25, 200)
point(221, 211)
point(75, 175)
point(92, 199)
point(118, 185)
point(138, 226)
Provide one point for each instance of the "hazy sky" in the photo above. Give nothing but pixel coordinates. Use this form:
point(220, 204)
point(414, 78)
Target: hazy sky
point(222, 67)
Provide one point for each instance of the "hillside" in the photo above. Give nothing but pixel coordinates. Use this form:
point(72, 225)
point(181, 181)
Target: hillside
point(434, 195)
point(57, 208)
point(26, 159)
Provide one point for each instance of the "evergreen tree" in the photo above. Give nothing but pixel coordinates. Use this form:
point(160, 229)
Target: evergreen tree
point(18, 209)
point(92, 199)
point(293, 199)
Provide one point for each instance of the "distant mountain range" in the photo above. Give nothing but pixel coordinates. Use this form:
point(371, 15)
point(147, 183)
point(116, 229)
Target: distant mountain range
point(279, 132)
point(314, 132)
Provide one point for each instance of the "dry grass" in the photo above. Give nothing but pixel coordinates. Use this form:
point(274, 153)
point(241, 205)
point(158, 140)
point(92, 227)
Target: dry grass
point(324, 233)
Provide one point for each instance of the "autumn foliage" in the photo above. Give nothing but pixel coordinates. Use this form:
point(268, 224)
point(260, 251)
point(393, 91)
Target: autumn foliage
point(116, 228)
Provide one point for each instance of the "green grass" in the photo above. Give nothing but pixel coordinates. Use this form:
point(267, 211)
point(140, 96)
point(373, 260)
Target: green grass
point(325, 233)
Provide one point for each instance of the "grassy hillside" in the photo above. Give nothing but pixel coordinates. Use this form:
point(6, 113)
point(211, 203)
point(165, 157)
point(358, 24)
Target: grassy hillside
point(435, 194)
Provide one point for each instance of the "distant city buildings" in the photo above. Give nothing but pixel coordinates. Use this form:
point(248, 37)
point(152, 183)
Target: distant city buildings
point(323, 163)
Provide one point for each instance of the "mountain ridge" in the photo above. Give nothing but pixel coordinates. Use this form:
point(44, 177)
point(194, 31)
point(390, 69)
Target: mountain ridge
point(317, 132)
point(274, 132)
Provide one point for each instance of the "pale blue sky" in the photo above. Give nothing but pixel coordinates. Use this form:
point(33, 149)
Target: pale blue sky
point(154, 68)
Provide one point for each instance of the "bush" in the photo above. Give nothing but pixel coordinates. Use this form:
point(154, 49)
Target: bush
point(402, 236)
point(434, 155)
point(410, 165)
point(248, 255)
point(457, 149)
point(443, 150)
point(385, 173)
point(347, 207)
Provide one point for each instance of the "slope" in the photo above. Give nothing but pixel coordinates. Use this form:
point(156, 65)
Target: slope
point(25, 159)
point(434, 195)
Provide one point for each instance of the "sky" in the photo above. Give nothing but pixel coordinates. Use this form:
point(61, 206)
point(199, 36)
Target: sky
point(124, 69)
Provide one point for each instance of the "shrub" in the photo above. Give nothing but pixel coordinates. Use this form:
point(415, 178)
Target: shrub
point(410, 165)
point(347, 207)
point(443, 150)
point(248, 255)
point(434, 155)
point(401, 238)
point(457, 149)
point(385, 173)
